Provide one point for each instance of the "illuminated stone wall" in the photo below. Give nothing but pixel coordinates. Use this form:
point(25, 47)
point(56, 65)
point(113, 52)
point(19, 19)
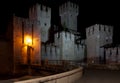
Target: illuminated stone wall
point(22, 28)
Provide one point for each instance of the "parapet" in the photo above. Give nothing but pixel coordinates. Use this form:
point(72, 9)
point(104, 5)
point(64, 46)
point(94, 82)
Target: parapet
point(65, 35)
point(69, 7)
point(44, 8)
point(97, 28)
point(79, 47)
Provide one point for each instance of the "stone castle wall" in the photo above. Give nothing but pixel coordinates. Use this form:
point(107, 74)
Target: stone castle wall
point(21, 29)
point(79, 52)
point(42, 14)
point(112, 55)
point(50, 52)
point(96, 36)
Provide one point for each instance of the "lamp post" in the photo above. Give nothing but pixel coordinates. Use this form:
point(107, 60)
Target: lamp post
point(28, 42)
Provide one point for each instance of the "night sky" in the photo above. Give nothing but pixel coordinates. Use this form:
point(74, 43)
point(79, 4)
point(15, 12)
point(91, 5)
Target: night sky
point(91, 12)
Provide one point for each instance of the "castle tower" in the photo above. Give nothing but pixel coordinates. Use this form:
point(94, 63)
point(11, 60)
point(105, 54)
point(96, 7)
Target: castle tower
point(68, 13)
point(65, 41)
point(42, 14)
point(96, 37)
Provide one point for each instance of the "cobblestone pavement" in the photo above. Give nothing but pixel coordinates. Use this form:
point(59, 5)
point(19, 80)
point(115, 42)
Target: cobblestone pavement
point(100, 76)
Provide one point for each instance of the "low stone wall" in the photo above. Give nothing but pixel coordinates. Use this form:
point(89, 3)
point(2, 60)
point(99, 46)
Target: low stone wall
point(104, 66)
point(67, 77)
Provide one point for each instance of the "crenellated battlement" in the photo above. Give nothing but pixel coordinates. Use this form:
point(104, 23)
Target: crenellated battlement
point(69, 7)
point(33, 12)
point(99, 28)
point(50, 52)
point(38, 10)
point(79, 46)
point(44, 10)
point(42, 14)
point(112, 54)
point(65, 35)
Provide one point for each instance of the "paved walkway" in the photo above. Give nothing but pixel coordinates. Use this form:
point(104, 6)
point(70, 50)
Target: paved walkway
point(100, 76)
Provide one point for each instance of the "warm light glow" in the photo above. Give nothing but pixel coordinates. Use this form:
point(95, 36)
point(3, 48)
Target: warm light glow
point(28, 40)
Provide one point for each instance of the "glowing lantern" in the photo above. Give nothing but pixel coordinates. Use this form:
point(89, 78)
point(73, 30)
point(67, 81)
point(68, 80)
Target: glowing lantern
point(28, 40)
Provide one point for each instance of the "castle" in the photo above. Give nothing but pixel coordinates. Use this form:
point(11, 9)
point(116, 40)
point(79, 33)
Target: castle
point(67, 44)
point(28, 40)
point(64, 46)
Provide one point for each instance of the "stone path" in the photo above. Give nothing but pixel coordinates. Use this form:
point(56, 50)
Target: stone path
point(100, 76)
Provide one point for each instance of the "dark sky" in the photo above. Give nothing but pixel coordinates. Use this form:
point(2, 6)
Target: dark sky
point(91, 12)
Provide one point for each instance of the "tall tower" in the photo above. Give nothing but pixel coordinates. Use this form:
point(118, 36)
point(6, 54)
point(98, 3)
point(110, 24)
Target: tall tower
point(42, 14)
point(68, 13)
point(96, 37)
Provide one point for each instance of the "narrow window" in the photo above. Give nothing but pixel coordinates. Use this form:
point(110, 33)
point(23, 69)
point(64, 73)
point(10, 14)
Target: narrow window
point(45, 24)
point(23, 32)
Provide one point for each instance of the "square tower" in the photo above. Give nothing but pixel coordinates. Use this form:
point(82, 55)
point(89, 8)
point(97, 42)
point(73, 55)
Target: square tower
point(97, 36)
point(42, 14)
point(68, 13)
